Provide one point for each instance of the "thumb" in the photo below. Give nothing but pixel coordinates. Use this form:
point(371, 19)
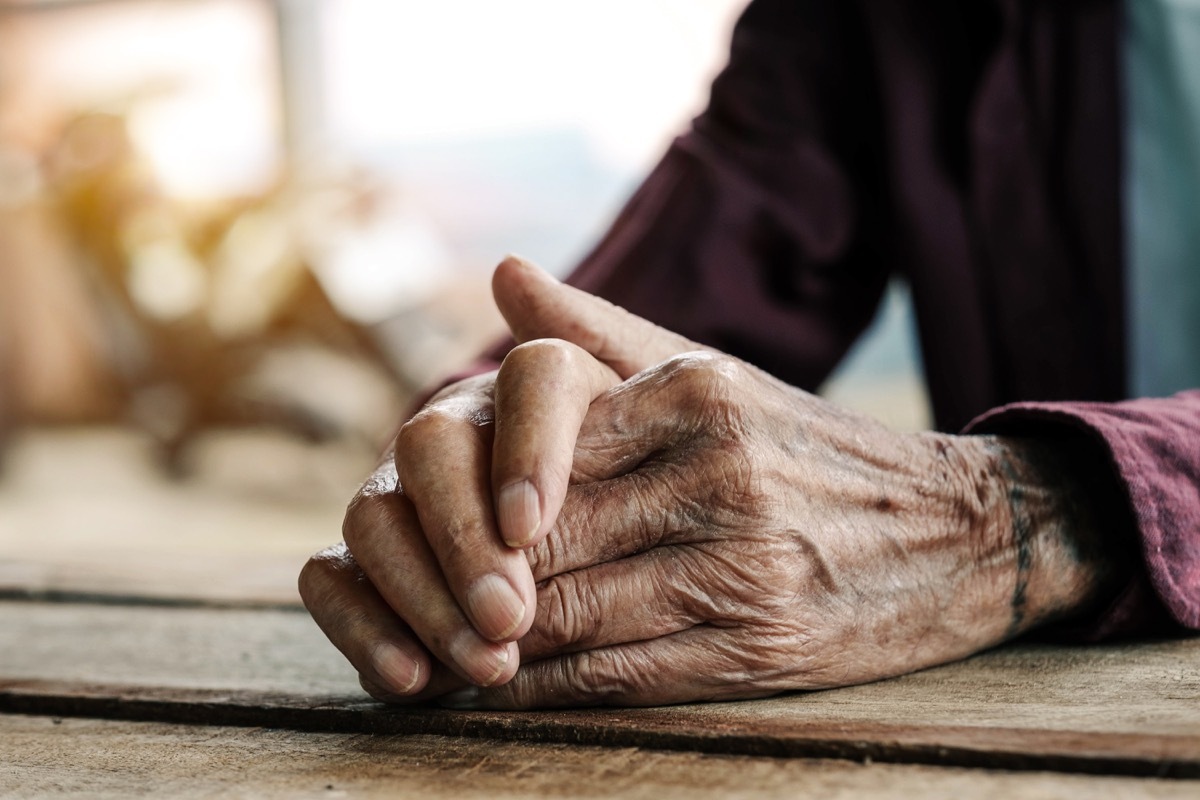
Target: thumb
point(536, 306)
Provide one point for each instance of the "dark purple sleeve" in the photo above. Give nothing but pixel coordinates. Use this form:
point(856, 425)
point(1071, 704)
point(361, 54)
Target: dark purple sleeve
point(1153, 446)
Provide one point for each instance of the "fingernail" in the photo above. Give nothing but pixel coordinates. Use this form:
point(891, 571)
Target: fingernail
point(399, 671)
point(483, 663)
point(519, 512)
point(463, 698)
point(495, 606)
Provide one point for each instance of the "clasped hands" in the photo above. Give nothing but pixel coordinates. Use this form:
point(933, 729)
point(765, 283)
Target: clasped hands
point(620, 516)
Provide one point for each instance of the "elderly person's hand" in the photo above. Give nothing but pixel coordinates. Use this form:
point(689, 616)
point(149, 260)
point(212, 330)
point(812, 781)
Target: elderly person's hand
point(723, 535)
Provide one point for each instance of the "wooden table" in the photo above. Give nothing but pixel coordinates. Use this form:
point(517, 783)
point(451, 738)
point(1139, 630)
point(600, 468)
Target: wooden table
point(128, 683)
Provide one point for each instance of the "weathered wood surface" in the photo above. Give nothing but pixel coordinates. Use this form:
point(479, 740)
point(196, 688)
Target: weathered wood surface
point(87, 511)
point(55, 757)
point(1129, 709)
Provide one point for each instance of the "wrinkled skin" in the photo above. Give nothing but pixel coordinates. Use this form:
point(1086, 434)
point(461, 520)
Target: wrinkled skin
point(619, 517)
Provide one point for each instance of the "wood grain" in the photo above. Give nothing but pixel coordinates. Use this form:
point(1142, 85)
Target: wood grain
point(49, 757)
point(88, 511)
point(1120, 709)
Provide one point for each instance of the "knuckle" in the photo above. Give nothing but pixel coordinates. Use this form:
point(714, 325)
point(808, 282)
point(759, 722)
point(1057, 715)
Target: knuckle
point(553, 355)
point(720, 397)
point(316, 574)
point(365, 513)
point(603, 676)
point(539, 559)
point(423, 431)
point(545, 557)
point(570, 617)
point(703, 377)
point(327, 588)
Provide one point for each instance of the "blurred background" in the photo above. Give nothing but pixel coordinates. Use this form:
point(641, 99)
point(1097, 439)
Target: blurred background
point(237, 236)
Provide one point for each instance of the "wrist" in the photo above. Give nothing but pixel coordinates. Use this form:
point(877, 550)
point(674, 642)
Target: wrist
point(1066, 532)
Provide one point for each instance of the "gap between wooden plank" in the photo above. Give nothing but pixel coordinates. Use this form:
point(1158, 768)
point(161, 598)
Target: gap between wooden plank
point(55, 757)
point(69, 597)
point(992, 748)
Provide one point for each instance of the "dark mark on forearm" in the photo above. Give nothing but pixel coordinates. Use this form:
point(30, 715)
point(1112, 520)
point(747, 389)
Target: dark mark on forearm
point(1023, 539)
point(1023, 531)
